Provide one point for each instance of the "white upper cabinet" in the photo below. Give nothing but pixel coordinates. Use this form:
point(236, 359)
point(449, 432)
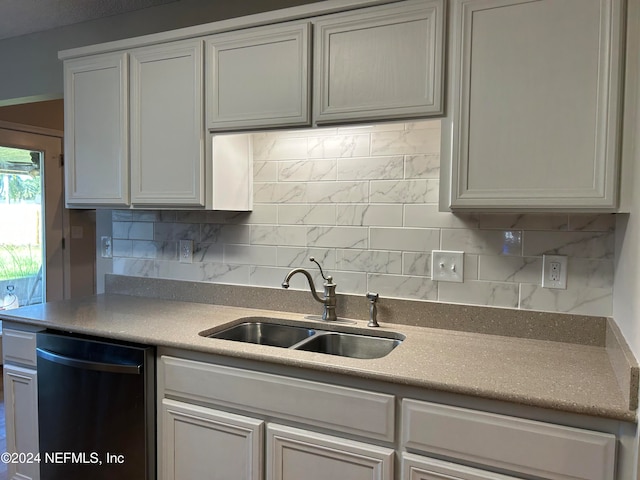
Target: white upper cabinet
point(533, 116)
point(167, 131)
point(96, 130)
point(379, 63)
point(258, 77)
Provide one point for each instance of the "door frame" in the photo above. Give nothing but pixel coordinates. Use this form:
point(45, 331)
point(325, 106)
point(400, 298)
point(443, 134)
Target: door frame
point(56, 259)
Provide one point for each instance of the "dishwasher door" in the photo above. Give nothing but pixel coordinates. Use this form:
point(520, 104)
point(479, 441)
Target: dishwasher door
point(96, 409)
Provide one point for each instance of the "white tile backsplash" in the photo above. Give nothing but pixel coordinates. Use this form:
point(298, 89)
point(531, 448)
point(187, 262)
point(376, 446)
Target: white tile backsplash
point(363, 201)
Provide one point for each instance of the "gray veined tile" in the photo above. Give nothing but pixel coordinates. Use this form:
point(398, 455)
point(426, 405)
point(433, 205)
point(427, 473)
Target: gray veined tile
point(403, 286)
point(122, 248)
point(262, 214)
point(338, 192)
point(280, 192)
point(278, 235)
point(510, 269)
point(167, 232)
point(207, 253)
point(370, 215)
point(429, 216)
point(404, 191)
point(144, 249)
point(433, 124)
point(483, 242)
point(337, 237)
point(265, 171)
point(370, 261)
point(590, 273)
point(279, 147)
point(416, 264)
point(121, 215)
point(317, 214)
point(422, 166)
point(307, 170)
point(494, 294)
point(133, 230)
point(524, 221)
point(574, 244)
point(339, 146)
point(406, 142)
point(605, 222)
point(299, 257)
point(250, 255)
point(135, 267)
point(371, 168)
point(412, 239)
point(215, 233)
point(580, 301)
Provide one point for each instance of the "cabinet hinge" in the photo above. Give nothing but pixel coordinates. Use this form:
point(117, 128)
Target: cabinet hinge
point(63, 243)
point(62, 159)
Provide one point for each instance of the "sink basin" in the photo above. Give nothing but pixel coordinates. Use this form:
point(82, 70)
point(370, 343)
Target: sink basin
point(350, 345)
point(274, 334)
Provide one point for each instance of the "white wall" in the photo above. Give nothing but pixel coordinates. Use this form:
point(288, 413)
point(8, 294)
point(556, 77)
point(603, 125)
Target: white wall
point(626, 309)
point(32, 71)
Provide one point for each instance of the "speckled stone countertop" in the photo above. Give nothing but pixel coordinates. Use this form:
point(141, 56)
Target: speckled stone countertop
point(549, 374)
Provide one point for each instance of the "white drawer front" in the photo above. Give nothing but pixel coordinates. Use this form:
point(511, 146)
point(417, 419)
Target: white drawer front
point(342, 409)
point(19, 347)
point(534, 448)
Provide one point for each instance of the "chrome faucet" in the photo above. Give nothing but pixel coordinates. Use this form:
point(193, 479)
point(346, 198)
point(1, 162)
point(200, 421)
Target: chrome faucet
point(329, 300)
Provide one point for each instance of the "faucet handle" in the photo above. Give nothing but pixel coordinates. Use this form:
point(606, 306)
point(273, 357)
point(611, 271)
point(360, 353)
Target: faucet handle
point(329, 278)
point(373, 309)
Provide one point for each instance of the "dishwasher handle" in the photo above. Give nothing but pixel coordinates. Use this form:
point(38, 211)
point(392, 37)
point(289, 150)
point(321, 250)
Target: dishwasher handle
point(131, 369)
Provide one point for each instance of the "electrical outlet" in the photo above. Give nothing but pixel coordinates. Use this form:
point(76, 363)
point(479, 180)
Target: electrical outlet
point(554, 271)
point(447, 266)
point(186, 251)
point(105, 247)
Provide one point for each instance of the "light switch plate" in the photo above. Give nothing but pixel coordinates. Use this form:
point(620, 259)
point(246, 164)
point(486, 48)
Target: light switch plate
point(106, 247)
point(554, 271)
point(447, 266)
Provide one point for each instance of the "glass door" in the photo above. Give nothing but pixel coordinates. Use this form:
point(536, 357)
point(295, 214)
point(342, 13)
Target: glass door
point(32, 260)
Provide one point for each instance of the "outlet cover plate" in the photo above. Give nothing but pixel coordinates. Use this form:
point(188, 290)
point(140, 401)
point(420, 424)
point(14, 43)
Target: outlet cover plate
point(554, 271)
point(186, 251)
point(447, 266)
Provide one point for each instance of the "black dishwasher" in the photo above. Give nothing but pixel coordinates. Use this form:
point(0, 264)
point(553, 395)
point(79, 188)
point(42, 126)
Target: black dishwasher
point(96, 408)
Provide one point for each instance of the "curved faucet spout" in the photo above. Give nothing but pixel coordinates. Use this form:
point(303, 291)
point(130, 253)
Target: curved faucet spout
point(285, 284)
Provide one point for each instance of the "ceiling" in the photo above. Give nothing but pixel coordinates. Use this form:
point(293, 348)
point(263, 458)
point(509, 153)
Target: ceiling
point(19, 17)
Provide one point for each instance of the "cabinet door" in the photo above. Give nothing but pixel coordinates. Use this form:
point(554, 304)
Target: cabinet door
point(167, 129)
point(96, 131)
point(379, 63)
point(294, 454)
point(199, 442)
point(258, 77)
point(534, 104)
point(415, 467)
point(21, 414)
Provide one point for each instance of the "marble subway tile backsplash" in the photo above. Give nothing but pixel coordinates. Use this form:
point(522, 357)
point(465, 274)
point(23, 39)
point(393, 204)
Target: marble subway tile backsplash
point(363, 201)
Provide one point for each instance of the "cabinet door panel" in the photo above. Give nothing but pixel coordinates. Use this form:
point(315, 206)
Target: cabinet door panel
point(534, 104)
point(21, 413)
point(96, 130)
point(199, 442)
point(167, 138)
point(379, 63)
point(415, 467)
point(293, 454)
point(258, 77)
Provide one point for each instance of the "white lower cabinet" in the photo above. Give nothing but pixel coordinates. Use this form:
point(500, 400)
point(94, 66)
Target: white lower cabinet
point(200, 442)
point(294, 454)
point(21, 402)
point(505, 443)
point(416, 467)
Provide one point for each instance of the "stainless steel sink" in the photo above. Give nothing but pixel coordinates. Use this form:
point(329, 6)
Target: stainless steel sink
point(269, 331)
point(274, 334)
point(350, 345)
